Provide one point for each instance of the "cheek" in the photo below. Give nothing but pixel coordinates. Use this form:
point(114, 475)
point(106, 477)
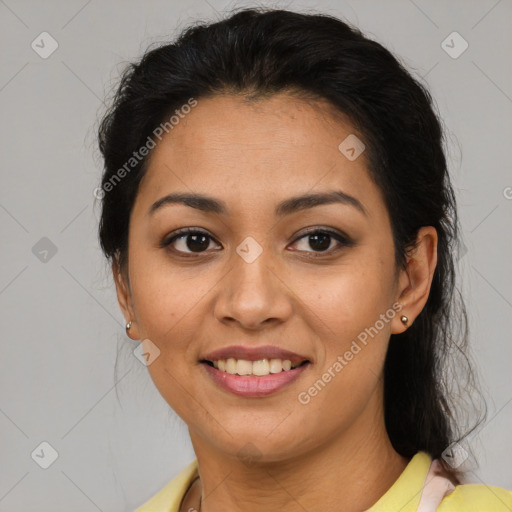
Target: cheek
point(165, 296)
point(349, 298)
point(170, 310)
point(350, 311)
point(353, 340)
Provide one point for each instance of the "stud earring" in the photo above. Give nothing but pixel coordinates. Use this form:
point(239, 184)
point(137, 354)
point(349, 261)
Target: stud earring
point(128, 325)
point(403, 318)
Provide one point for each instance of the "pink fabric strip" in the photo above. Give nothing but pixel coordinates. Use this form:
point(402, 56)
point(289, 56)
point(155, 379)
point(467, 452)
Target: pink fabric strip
point(435, 488)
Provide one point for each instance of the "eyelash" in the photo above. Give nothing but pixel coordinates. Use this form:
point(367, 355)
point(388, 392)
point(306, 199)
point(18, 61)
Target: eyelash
point(343, 240)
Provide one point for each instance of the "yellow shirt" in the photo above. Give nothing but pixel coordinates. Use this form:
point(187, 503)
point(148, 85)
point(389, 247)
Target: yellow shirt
point(416, 483)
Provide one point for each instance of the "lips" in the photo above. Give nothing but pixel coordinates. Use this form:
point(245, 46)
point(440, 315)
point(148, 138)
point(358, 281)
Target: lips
point(254, 372)
point(254, 354)
point(250, 386)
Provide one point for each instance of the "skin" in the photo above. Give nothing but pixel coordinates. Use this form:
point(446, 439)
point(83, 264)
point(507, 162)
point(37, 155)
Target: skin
point(332, 453)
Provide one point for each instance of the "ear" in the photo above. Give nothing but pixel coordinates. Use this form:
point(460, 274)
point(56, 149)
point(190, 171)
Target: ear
point(415, 280)
point(124, 297)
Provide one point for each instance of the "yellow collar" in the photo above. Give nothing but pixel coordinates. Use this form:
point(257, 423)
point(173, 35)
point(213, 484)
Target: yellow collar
point(404, 495)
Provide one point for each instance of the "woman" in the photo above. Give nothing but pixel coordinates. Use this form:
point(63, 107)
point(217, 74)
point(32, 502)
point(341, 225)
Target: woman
point(282, 231)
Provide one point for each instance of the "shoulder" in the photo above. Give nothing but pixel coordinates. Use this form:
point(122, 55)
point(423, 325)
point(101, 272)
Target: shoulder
point(168, 499)
point(477, 498)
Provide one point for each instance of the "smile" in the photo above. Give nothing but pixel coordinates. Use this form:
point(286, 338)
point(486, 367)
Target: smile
point(253, 379)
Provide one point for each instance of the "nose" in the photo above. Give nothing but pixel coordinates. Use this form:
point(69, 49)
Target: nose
point(254, 294)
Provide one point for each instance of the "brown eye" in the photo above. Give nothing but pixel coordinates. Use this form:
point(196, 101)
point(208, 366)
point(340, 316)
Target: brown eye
point(188, 241)
point(321, 241)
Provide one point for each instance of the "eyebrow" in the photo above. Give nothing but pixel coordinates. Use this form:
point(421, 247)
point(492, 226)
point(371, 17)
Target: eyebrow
point(294, 204)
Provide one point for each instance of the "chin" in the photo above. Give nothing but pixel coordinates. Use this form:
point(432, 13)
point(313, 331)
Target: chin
point(257, 446)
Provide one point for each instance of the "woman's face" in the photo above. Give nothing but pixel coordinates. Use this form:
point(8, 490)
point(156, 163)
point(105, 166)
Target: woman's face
point(255, 277)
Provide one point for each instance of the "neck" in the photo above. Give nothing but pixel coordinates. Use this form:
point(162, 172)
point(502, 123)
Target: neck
point(349, 472)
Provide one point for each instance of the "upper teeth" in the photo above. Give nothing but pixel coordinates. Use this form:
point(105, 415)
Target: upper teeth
point(259, 368)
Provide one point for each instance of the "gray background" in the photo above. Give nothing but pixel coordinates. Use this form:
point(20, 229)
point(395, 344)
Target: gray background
point(60, 323)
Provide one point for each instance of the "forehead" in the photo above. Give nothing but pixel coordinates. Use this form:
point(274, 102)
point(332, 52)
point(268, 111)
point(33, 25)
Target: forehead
point(260, 150)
